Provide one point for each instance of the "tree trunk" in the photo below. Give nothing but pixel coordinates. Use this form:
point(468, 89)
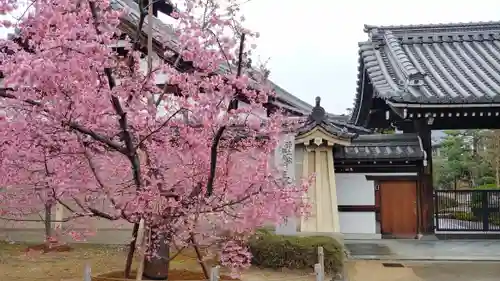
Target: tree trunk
point(48, 222)
point(143, 244)
point(156, 267)
point(200, 257)
point(131, 250)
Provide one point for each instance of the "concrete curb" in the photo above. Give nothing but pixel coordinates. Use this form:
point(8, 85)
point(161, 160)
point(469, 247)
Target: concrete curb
point(434, 258)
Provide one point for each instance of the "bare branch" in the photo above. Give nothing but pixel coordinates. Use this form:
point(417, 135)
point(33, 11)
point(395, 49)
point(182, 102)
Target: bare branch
point(159, 128)
point(65, 205)
point(98, 137)
point(4, 94)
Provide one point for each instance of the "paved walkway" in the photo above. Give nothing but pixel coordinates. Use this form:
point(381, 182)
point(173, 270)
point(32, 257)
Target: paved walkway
point(451, 250)
point(375, 271)
point(422, 271)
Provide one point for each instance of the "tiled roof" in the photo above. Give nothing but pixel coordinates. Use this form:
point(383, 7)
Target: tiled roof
point(380, 147)
point(319, 118)
point(164, 35)
point(432, 64)
point(348, 126)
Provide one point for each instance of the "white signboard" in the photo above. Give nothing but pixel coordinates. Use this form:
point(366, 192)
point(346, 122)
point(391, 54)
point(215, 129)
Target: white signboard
point(285, 161)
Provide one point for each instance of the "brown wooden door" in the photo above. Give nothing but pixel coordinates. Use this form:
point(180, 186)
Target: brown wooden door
point(398, 208)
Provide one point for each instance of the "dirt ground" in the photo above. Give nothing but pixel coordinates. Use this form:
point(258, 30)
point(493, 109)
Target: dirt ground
point(17, 265)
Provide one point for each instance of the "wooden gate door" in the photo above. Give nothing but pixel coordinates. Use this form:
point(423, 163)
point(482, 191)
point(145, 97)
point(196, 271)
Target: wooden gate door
point(398, 208)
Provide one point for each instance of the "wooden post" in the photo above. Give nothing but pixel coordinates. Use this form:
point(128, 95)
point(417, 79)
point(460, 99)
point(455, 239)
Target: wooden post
point(318, 270)
point(214, 273)
point(59, 217)
point(87, 273)
point(321, 262)
point(141, 236)
point(424, 132)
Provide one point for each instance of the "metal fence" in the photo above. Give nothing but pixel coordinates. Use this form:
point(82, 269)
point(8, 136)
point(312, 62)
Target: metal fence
point(467, 210)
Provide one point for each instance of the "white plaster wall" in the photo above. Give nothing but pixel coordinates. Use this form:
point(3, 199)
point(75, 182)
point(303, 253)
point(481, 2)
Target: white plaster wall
point(355, 189)
point(357, 223)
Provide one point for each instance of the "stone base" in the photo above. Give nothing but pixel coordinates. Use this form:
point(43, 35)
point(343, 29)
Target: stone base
point(337, 235)
point(362, 236)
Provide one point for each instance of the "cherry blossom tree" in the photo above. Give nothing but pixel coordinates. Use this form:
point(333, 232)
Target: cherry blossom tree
point(81, 123)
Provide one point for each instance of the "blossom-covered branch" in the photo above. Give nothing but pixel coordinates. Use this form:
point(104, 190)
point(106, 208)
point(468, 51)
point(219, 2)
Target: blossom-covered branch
point(120, 147)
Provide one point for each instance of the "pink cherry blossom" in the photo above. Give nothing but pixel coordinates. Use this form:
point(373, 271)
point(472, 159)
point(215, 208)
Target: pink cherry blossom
point(82, 126)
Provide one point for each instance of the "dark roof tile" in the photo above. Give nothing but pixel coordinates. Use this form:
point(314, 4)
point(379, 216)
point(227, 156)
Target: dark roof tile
point(165, 34)
point(379, 147)
point(441, 63)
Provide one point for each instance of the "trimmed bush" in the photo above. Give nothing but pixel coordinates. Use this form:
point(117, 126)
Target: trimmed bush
point(489, 186)
point(295, 252)
point(486, 180)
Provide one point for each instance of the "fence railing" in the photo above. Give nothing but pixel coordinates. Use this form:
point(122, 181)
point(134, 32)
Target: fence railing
point(467, 210)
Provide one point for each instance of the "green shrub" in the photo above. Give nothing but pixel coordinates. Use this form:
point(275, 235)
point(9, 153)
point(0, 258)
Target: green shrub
point(486, 186)
point(468, 216)
point(485, 180)
point(295, 252)
point(464, 216)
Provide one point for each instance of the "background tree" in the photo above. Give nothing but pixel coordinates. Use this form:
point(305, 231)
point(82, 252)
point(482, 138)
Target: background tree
point(456, 157)
point(490, 152)
point(462, 158)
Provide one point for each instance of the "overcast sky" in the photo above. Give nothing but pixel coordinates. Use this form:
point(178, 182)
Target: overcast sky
point(313, 44)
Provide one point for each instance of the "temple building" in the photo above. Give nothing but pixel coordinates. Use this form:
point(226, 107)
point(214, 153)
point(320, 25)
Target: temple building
point(361, 178)
point(410, 78)
point(419, 78)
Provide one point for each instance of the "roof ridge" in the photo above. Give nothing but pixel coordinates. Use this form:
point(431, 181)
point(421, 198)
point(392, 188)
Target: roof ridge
point(411, 74)
point(436, 32)
point(393, 137)
point(453, 25)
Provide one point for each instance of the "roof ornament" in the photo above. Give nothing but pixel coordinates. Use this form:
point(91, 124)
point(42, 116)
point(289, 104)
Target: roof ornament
point(318, 113)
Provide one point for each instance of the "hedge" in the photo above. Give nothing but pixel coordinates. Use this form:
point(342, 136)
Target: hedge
point(468, 216)
point(295, 252)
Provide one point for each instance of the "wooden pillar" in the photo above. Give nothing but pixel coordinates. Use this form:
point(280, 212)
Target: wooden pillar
point(318, 145)
point(427, 186)
point(318, 159)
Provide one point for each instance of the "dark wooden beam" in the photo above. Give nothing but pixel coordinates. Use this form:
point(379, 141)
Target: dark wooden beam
point(375, 169)
point(358, 208)
point(392, 178)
